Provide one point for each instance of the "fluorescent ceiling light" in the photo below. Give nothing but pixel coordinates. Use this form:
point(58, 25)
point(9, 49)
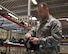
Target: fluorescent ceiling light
point(34, 2)
point(38, 22)
point(12, 15)
point(67, 19)
point(26, 23)
point(63, 19)
point(0, 8)
point(33, 18)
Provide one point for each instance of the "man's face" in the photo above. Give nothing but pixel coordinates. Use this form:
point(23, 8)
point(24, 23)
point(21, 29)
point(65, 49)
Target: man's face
point(42, 12)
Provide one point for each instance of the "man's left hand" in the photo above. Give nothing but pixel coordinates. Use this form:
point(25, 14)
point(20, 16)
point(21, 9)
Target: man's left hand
point(34, 40)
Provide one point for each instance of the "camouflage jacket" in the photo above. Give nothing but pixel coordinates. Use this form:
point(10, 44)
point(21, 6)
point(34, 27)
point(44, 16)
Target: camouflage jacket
point(49, 32)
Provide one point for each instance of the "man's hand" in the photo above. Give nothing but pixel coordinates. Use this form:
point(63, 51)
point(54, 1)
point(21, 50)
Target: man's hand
point(34, 40)
point(27, 36)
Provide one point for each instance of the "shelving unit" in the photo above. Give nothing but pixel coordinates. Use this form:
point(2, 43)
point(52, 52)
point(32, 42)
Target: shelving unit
point(11, 26)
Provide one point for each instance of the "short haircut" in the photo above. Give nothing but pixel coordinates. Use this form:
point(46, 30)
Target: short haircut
point(42, 4)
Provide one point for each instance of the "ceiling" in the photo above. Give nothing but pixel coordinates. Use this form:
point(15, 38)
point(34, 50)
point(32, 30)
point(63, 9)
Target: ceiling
point(58, 8)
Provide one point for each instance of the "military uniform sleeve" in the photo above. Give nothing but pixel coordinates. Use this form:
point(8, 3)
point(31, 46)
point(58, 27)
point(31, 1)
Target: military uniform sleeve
point(56, 30)
point(56, 35)
point(31, 31)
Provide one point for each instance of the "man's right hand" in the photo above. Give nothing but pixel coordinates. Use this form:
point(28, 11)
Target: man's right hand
point(28, 35)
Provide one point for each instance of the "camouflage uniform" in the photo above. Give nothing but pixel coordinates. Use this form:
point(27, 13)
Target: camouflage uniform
point(49, 33)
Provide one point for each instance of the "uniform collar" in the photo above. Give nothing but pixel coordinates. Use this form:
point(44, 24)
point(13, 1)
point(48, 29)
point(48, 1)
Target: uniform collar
point(50, 16)
point(48, 19)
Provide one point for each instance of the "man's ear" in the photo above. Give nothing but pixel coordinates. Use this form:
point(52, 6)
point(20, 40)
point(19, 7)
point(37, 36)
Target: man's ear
point(47, 9)
point(42, 5)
